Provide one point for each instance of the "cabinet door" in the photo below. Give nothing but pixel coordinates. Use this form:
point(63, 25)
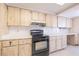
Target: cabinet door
point(69, 23)
point(64, 42)
point(35, 17)
point(3, 19)
point(61, 21)
point(10, 51)
point(0, 48)
point(41, 17)
point(54, 21)
point(58, 43)
point(13, 16)
point(25, 17)
point(25, 50)
point(48, 20)
point(52, 44)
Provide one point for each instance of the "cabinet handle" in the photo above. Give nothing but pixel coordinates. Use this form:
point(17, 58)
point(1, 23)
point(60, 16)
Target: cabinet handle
point(10, 43)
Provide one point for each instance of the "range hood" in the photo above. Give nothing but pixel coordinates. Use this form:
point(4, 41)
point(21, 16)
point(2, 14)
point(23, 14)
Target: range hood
point(38, 24)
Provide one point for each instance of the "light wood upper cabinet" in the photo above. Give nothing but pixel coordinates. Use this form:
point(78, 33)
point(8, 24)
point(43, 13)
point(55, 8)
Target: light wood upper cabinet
point(61, 21)
point(10, 51)
point(3, 19)
point(13, 16)
point(38, 17)
point(54, 21)
point(48, 20)
point(35, 17)
point(25, 50)
point(41, 17)
point(51, 21)
point(69, 23)
point(25, 17)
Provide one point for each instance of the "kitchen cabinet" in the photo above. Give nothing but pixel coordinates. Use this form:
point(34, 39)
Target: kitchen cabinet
point(25, 17)
point(52, 44)
point(41, 17)
point(64, 42)
point(13, 16)
point(25, 47)
point(10, 48)
point(35, 16)
point(49, 20)
point(54, 21)
point(58, 42)
point(3, 19)
point(0, 48)
point(69, 23)
point(61, 22)
point(10, 51)
point(25, 50)
point(73, 39)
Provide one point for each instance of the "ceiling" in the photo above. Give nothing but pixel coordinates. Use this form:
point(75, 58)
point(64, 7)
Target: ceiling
point(51, 8)
point(71, 12)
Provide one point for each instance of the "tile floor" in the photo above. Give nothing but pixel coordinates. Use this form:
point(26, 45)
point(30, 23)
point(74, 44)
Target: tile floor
point(69, 51)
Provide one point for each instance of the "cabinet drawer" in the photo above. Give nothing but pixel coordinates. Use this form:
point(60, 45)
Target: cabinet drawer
point(14, 42)
point(9, 43)
point(5, 43)
point(25, 41)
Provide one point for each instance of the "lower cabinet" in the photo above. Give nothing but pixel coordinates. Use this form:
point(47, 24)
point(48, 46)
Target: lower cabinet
point(64, 42)
point(52, 44)
point(0, 48)
point(25, 50)
point(57, 43)
point(10, 51)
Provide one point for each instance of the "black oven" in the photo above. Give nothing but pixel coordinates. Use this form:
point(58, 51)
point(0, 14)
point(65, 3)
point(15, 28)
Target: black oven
point(40, 43)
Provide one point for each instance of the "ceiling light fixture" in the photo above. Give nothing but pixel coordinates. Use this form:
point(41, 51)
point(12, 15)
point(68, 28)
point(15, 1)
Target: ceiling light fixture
point(60, 3)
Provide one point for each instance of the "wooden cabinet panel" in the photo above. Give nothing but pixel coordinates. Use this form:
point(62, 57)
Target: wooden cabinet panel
point(13, 16)
point(51, 21)
point(0, 48)
point(0, 51)
point(8, 43)
point(54, 21)
point(10, 51)
point(3, 19)
point(14, 42)
point(61, 21)
point(52, 44)
point(35, 17)
point(58, 42)
point(5, 43)
point(41, 17)
point(48, 20)
point(25, 50)
point(64, 42)
point(25, 41)
point(69, 23)
point(25, 17)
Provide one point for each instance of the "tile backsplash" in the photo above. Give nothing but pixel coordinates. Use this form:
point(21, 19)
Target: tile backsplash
point(25, 31)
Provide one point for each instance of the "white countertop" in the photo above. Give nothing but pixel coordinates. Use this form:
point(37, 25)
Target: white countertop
point(14, 36)
point(21, 36)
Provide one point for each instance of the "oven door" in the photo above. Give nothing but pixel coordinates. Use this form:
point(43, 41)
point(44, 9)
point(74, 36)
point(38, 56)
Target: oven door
point(40, 46)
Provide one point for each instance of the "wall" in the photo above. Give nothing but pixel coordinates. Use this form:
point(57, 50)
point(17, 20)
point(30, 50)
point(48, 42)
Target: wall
point(75, 25)
point(25, 31)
